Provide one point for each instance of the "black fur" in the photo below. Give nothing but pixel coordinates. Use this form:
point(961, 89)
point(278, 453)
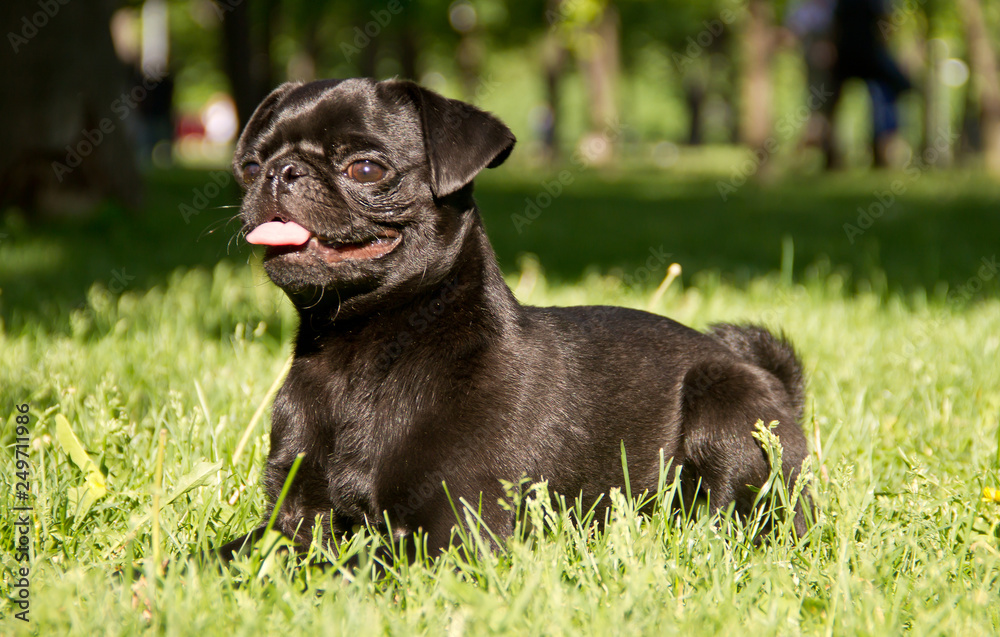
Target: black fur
point(419, 367)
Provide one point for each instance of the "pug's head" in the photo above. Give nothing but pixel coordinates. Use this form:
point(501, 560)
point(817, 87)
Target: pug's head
point(361, 190)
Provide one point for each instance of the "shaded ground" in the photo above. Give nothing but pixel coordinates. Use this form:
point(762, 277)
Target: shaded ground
point(939, 234)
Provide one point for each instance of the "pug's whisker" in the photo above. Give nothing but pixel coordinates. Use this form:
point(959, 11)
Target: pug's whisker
point(213, 226)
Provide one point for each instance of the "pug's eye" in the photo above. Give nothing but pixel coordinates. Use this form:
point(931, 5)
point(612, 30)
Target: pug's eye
point(250, 171)
point(365, 172)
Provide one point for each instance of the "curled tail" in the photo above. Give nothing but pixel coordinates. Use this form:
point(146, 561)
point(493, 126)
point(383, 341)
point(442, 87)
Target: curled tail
point(774, 354)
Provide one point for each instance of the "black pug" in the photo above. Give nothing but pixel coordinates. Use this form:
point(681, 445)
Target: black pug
point(415, 365)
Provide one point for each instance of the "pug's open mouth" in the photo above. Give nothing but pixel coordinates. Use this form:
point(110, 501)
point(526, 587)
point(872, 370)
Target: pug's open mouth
point(289, 237)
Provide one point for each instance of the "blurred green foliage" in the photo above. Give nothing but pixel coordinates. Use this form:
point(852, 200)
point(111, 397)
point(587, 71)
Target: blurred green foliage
point(660, 41)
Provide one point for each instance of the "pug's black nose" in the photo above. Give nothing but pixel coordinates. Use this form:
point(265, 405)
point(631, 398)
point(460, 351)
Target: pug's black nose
point(287, 172)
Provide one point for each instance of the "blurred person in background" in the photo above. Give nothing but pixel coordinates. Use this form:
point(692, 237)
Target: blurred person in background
point(862, 52)
point(812, 23)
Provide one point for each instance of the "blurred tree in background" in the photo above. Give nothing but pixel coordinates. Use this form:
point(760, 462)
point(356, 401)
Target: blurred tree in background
point(64, 138)
point(985, 84)
point(614, 77)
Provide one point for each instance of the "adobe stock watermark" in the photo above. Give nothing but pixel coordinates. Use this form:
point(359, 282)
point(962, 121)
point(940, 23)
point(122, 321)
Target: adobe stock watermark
point(697, 44)
point(975, 284)
point(454, 117)
point(654, 263)
point(596, 146)
point(203, 196)
point(31, 25)
point(83, 316)
point(119, 281)
point(886, 199)
point(123, 106)
point(779, 301)
point(365, 34)
point(419, 321)
point(429, 489)
point(901, 14)
point(786, 128)
point(222, 7)
point(563, 10)
point(23, 492)
point(962, 294)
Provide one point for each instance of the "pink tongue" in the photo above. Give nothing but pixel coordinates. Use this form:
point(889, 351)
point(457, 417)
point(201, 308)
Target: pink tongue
point(276, 233)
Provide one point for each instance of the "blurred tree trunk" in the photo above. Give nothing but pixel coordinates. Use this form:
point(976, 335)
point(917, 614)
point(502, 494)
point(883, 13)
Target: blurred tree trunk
point(701, 79)
point(599, 59)
point(409, 51)
point(554, 56)
point(247, 58)
point(65, 142)
point(756, 87)
point(983, 67)
point(935, 147)
point(695, 83)
point(970, 141)
point(469, 56)
point(694, 98)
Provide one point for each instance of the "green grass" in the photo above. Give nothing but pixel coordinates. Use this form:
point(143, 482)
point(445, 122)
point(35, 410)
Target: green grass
point(898, 332)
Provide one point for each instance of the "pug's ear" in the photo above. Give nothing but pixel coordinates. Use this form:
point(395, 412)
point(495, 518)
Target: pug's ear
point(460, 140)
